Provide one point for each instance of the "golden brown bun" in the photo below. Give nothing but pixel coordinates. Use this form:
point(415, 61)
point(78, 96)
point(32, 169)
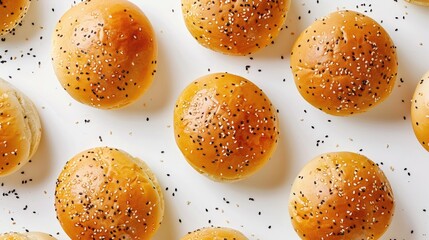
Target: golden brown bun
point(11, 13)
point(225, 126)
point(341, 195)
point(419, 2)
point(104, 53)
point(26, 236)
point(420, 111)
point(218, 233)
point(20, 129)
point(344, 63)
point(235, 27)
point(105, 193)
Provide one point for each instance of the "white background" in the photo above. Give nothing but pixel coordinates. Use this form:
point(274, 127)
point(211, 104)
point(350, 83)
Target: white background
point(192, 201)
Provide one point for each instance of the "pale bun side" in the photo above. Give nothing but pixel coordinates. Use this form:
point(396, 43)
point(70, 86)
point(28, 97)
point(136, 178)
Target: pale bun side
point(21, 129)
point(104, 53)
point(419, 2)
point(26, 236)
point(215, 233)
point(11, 14)
point(105, 193)
point(235, 27)
point(420, 111)
point(344, 63)
point(341, 195)
point(225, 126)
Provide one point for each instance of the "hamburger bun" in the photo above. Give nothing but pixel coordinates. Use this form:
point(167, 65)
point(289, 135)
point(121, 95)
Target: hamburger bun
point(26, 236)
point(104, 193)
point(215, 233)
point(419, 2)
point(341, 195)
point(420, 111)
point(20, 129)
point(104, 53)
point(235, 27)
point(11, 14)
point(344, 63)
point(225, 126)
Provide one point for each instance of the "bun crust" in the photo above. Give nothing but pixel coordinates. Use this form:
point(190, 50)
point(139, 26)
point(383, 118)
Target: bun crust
point(215, 233)
point(344, 63)
point(420, 111)
point(12, 12)
point(341, 195)
point(104, 53)
point(225, 126)
point(26, 236)
point(235, 27)
point(105, 193)
point(20, 130)
point(419, 2)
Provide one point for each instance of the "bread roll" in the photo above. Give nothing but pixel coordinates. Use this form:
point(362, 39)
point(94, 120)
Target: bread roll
point(341, 195)
point(26, 236)
point(344, 63)
point(225, 126)
point(420, 111)
point(235, 27)
point(104, 193)
point(419, 2)
point(215, 233)
point(104, 53)
point(20, 129)
point(11, 13)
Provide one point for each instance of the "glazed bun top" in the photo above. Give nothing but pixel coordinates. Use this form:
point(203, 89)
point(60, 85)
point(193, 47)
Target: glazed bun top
point(20, 129)
point(341, 195)
point(105, 193)
point(26, 236)
point(11, 14)
point(104, 53)
point(420, 111)
point(344, 63)
point(215, 233)
point(225, 126)
point(235, 27)
point(419, 2)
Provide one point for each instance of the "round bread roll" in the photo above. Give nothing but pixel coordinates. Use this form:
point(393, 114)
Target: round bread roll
point(235, 27)
point(420, 111)
point(215, 233)
point(11, 13)
point(104, 53)
point(26, 236)
point(20, 129)
point(344, 63)
point(225, 126)
point(419, 2)
point(104, 193)
point(341, 195)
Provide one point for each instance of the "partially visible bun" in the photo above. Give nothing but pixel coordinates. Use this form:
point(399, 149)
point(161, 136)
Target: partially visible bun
point(419, 2)
point(341, 195)
point(26, 236)
point(215, 233)
point(225, 126)
point(420, 111)
point(344, 63)
point(104, 53)
point(20, 130)
point(104, 193)
point(235, 27)
point(11, 14)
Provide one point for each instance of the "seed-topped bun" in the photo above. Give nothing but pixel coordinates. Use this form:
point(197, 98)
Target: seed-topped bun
point(105, 193)
point(419, 2)
point(341, 195)
point(20, 129)
point(235, 27)
point(215, 233)
point(420, 111)
point(344, 63)
point(26, 236)
point(11, 13)
point(225, 126)
point(104, 53)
